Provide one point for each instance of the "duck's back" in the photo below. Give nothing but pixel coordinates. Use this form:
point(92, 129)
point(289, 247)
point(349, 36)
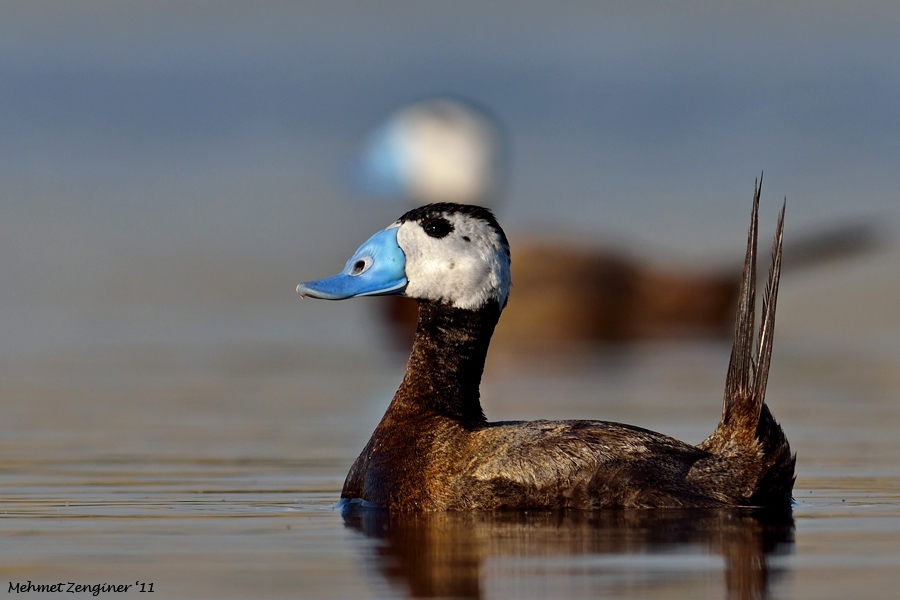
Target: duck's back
point(539, 464)
point(583, 464)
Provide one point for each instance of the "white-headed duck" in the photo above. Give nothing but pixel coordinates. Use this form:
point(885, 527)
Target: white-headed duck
point(435, 450)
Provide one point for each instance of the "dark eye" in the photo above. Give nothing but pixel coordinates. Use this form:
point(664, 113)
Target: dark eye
point(438, 228)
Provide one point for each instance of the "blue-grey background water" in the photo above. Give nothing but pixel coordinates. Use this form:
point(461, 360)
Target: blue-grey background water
point(171, 411)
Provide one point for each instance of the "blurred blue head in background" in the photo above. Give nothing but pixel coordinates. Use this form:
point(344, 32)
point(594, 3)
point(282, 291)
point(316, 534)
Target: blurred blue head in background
point(441, 149)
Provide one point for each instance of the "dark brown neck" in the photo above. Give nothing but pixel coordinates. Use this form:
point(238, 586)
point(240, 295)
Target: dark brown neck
point(444, 370)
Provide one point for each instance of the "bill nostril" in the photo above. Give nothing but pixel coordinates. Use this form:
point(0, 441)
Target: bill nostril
point(358, 267)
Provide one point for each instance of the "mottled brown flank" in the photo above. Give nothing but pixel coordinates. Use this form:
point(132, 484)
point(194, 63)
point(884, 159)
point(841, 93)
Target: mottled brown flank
point(434, 449)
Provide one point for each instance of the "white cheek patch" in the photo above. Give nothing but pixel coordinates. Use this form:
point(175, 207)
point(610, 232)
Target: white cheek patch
point(465, 274)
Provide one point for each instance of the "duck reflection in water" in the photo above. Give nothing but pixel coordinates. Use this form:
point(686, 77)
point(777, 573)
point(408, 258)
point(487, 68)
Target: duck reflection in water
point(450, 554)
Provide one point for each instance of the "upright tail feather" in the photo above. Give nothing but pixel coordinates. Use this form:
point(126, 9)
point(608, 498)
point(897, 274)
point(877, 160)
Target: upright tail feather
point(740, 379)
point(747, 431)
point(767, 324)
point(748, 372)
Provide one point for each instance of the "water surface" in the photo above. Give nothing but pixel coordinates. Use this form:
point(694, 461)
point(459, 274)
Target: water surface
point(172, 466)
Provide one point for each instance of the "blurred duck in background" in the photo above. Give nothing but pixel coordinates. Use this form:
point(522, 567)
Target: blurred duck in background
point(437, 150)
point(446, 149)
